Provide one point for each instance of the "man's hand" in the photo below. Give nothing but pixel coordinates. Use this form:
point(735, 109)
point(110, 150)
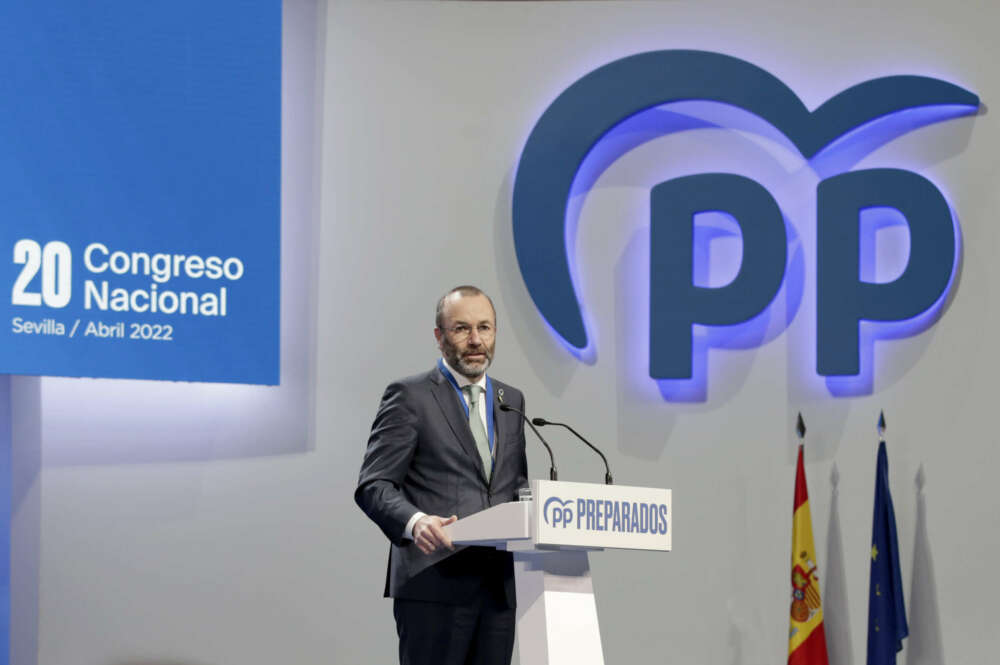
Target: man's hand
point(429, 535)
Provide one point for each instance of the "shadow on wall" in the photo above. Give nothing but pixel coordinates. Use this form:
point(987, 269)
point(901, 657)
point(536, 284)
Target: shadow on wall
point(924, 645)
point(836, 617)
point(644, 426)
point(26, 517)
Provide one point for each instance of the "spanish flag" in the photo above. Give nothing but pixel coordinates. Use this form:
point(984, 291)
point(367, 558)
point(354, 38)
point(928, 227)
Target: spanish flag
point(806, 640)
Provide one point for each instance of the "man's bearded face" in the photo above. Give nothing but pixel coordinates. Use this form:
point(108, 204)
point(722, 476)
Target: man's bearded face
point(465, 342)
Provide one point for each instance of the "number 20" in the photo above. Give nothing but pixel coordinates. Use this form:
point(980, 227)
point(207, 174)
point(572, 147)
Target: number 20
point(55, 260)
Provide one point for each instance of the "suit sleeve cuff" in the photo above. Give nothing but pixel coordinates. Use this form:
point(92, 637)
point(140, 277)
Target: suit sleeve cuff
point(408, 531)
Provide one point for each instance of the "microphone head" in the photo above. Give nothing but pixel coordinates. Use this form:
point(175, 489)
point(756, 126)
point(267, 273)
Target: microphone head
point(539, 422)
point(505, 407)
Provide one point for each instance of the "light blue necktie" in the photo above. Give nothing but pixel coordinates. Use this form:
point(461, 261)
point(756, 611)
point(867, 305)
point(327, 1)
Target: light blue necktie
point(478, 431)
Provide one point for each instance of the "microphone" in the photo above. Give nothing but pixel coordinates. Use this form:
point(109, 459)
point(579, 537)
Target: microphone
point(608, 480)
point(553, 474)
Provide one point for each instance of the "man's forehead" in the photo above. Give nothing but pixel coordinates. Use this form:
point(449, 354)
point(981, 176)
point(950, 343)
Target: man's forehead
point(468, 308)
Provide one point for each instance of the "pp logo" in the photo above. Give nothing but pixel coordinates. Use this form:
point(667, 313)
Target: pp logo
point(595, 104)
point(557, 512)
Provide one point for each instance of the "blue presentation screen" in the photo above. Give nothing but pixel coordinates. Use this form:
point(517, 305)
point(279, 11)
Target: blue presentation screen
point(140, 189)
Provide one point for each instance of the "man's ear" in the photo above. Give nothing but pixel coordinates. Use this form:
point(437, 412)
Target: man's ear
point(437, 336)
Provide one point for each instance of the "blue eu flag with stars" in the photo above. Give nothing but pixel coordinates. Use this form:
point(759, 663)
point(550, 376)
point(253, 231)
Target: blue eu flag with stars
point(886, 612)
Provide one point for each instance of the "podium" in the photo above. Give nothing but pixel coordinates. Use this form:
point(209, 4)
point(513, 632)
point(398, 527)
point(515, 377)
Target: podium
point(551, 537)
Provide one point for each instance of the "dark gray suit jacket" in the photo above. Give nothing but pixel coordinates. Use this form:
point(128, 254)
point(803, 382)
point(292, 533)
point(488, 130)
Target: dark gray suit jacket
point(421, 456)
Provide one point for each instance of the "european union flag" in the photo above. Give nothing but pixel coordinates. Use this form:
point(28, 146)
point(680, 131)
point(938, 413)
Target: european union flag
point(886, 612)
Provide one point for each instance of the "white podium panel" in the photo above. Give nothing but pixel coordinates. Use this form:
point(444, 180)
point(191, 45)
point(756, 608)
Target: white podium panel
point(556, 609)
point(497, 526)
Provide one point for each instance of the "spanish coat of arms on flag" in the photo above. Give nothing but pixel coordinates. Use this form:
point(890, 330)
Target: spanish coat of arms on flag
point(806, 639)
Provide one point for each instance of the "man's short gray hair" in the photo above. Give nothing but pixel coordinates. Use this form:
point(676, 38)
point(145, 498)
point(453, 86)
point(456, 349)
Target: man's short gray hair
point(463, 290)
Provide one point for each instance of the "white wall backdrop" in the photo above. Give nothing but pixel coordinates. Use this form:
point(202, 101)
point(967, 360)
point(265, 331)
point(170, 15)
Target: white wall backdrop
point(173, 524)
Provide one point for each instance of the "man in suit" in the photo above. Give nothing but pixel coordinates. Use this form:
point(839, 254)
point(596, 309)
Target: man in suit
point(441, 449)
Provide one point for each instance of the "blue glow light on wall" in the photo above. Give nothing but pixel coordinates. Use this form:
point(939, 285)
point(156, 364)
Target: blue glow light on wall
point(588, 121)
point(872, 222)
point(714, 263)
point(771, 322)
point(844, 298)
point(632, 132)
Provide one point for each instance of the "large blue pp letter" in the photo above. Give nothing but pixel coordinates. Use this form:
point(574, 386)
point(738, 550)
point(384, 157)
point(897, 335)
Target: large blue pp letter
point(675, 303)
point(842, 299)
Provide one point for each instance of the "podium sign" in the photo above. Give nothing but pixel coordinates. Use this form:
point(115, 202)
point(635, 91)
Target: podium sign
point(601, 516)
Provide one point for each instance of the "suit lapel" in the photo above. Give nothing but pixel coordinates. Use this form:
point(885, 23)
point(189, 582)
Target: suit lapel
point(454, 414)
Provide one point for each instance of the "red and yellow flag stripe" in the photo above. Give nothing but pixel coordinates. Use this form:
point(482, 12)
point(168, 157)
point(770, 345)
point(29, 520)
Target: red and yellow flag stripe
point(806, 639)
